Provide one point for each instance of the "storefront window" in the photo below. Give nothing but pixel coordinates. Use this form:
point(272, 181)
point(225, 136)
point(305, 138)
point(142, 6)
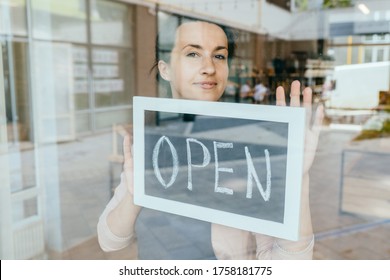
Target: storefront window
point(69, 71)
point(112, 83)
point(107, 118)
point(81, 78)
point(83, 123)
point(60, 83)
point(60, 20)
point(13, 17)
point(348, 73)
point(107, 16)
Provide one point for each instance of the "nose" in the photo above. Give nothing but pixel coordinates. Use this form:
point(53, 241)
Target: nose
point(208, 66)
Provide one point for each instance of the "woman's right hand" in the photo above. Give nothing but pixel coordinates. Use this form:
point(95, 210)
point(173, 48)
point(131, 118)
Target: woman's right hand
point(118, 227)
point(128, 170)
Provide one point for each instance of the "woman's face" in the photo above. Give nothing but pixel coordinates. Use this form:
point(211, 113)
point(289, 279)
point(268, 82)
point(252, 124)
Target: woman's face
point(199, 62)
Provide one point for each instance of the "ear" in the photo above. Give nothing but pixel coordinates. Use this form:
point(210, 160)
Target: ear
point(164, 70)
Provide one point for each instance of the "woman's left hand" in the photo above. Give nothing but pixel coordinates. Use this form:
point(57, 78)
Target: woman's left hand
point(312, 131)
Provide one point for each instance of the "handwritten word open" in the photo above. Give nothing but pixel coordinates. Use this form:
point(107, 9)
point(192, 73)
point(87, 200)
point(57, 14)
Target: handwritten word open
point(252, 174)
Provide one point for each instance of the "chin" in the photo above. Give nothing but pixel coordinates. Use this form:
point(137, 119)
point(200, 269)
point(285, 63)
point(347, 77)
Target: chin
point(207, 96)
point(200, 95)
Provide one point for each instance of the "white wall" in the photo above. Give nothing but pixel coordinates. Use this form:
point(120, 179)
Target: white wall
point(358, 86)
point(264, 18)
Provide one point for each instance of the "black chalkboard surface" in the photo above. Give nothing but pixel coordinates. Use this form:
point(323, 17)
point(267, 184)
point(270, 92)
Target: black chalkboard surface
point(238, 165)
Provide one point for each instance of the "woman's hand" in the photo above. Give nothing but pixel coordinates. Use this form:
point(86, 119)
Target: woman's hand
point(121, 211)
point(303, 248)
point(128, 165)
point(128, 170)
point(312, 132)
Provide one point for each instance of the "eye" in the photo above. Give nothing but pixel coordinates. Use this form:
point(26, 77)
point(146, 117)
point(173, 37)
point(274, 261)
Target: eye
point(192, 54)
point(220, 57)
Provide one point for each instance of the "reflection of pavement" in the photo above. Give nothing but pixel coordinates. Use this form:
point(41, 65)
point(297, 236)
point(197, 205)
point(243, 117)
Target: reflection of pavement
point(238, 129)
point(338, 236)
point(342, 236)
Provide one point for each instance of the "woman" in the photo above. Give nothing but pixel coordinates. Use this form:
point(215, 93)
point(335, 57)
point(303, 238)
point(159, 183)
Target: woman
point(198, 69)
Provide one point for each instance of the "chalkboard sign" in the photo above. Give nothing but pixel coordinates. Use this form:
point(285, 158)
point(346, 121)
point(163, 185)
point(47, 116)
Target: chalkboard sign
point(238, 165)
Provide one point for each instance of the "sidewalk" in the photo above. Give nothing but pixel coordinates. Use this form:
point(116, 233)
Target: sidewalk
point(338, 235)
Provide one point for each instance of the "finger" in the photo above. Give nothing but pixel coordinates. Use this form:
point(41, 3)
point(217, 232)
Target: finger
point(295, 94)
point(319, 117)
point(307, 104)
point(307, 97)
point(128, 156)
point(280, 97)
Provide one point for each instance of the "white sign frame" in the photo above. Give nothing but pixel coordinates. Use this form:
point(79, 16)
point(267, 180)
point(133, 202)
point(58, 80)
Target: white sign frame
point(294, 116)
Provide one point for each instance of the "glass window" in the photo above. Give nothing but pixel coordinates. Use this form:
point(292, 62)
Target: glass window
point(107, 16)
point(111, 77)
point(108, 118)
point(166, 30)
point(25, 208)
point(19, 124)
point(60, 20)
point(368, 54)
point(81, 78)
point(83, 123)
point(353, 90)
point(65, 104)
point(13, 17)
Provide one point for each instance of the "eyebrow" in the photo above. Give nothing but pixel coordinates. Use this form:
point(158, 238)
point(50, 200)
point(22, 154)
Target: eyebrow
point(200, 47)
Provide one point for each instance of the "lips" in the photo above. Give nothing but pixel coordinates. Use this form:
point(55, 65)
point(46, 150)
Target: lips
point(206, 84)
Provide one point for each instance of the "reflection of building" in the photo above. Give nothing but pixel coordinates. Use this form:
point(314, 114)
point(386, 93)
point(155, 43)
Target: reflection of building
point(70, 69)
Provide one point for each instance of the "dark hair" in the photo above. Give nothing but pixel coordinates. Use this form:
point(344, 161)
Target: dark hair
point(167, 49)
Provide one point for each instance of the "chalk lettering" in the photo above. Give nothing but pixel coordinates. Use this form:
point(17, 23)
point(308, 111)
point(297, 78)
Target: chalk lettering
point(206, 159)
point(175, 161)
point(217, 188)
point(252, 174)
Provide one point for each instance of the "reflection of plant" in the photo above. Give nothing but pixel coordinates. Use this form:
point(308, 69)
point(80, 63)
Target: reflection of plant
point(336, 3)
point(382, 130)
point(301, 5)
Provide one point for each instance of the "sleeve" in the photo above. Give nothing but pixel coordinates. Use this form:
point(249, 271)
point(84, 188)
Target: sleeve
point(235, 244)
point(109, 241)
point(267, 247)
